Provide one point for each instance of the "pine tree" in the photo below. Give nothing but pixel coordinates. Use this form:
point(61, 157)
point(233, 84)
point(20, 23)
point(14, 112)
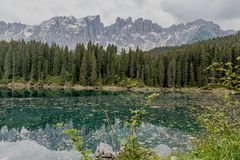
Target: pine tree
point(8, 65)
point(123, 64)
point(63, 75)
point(202, 74)
point(178, 73)
point(93, 75)
point(181, 66)
point(191, 76)
point(83, 71)
point(78, 55)
point(73, 69)
point(170, 74)
point(57, 62)
point(27, 65)
point(131, 64)
point(161, 72)
point(184, 71)
point(174, 69)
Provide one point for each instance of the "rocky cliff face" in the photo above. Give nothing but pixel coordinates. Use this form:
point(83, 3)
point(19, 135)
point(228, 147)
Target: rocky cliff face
point(124, 33)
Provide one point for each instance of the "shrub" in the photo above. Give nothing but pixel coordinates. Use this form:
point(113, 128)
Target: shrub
point(221, 140)
point(226, 74)
point(78, 143)
point(128, 82)
point(132, 150)
point(53, 80)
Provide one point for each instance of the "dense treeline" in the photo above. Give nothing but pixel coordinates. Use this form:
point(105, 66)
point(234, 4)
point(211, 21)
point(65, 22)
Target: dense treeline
point(93, 65)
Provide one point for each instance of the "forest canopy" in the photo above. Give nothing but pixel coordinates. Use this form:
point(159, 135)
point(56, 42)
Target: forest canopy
point(93, 65)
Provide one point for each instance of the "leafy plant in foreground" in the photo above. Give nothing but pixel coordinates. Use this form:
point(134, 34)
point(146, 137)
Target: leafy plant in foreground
point(221, 140)
point(132, 150)
point(227, 74)
point(221, 124)
point(78, 143)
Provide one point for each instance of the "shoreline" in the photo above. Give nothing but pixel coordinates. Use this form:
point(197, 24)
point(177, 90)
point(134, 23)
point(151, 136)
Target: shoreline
point(19, 86)
point(78, 87)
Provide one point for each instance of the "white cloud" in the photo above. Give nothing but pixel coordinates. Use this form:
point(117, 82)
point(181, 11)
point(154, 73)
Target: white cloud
point(164, 12)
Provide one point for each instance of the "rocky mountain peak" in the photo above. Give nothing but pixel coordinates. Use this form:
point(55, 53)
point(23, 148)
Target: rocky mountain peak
point(93, 18)
point(125, 33)
point(199, 22)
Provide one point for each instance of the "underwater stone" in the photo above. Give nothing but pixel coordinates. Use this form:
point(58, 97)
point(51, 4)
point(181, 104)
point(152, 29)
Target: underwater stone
point(104, 151)
point(162, 150)
point(173, 158)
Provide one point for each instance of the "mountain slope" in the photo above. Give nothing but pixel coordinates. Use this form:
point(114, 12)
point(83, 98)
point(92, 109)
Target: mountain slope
point(124, 33)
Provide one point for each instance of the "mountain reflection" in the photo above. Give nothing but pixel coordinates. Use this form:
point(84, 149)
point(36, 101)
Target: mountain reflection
point(31, 116)
point(53, 138)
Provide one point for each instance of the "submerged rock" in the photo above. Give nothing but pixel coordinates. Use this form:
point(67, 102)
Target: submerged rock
point(104, 152)
point(173, 158)
point(162, 150)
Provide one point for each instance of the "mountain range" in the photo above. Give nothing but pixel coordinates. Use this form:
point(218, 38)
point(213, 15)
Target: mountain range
point(125, 33)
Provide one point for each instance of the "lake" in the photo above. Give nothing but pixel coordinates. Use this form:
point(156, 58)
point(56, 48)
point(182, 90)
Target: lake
point(29, 118)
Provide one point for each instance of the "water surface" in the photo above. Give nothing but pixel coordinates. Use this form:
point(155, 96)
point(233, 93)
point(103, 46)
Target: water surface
point(28, 120)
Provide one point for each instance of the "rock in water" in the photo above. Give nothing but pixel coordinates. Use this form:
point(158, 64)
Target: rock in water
point(173, 158)
point(105, 152)
point(162, 150)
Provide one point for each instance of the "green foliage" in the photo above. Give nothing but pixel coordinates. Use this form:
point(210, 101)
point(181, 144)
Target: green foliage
point(19, 80)
point(78, 143)
point(230, 74)
point(132, 149)
point(221, 139)
point(93, 65)
point(53, 80)
point(191, 75)
point(128, 82)
point(138, 114)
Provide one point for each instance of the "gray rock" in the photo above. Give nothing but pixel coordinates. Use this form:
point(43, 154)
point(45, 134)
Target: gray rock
point(104, 151)
point(162, 150)
point(173, 158)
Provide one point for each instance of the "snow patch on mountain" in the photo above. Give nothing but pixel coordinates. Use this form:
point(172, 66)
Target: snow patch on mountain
point(125, 33)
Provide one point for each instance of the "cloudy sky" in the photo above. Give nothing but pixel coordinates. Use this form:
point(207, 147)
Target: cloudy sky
point(226, 13)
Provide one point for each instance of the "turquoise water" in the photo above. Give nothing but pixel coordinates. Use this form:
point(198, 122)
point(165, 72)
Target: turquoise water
point(31, 116)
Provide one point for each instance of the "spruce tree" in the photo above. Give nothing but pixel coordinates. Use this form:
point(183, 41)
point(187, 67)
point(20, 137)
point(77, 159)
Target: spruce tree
point(8, 65)
point(27, 65)
point(178, 73)
point(63, 75)
point(170, 74)
point(191, 76)
point(83, 71)
point(93, 75)
point(161, 72)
